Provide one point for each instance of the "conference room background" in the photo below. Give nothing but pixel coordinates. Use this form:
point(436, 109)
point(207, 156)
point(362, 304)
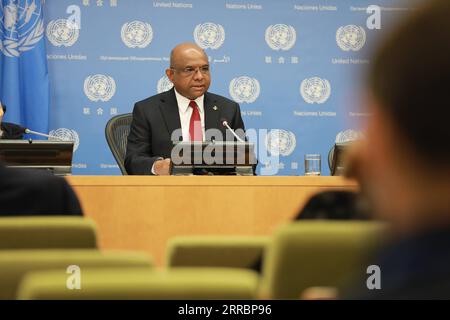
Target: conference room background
point(295, 67)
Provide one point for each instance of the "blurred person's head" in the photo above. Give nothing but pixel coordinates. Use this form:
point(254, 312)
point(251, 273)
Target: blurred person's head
point(335, 205)
point(405, 162)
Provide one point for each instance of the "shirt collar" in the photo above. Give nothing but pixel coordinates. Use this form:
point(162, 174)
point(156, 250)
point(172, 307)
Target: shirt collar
point(183, 102)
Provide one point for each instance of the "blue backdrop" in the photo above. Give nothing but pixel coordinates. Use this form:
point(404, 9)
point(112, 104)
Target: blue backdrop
point(24, 84)
point(294, 66)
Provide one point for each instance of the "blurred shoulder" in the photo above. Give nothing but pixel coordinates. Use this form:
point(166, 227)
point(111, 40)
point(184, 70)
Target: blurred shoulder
point(36, 180)
point(36, 192)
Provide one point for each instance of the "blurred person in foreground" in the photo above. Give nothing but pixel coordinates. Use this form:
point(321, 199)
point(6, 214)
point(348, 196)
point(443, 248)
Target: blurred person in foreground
point(404, 164)
point(26, 192)
point(32, 192)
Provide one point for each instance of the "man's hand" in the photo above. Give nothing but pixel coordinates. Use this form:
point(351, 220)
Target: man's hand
point(162, 167)
point(1, 118)
point(1, 113)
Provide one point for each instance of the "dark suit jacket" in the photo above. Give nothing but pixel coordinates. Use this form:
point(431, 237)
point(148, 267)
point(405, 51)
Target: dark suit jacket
point(11, 131)
point(32, 192)
point(154, 120)
point(417, 267)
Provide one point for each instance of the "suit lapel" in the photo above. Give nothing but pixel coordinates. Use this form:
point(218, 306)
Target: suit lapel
point(212, 112)
point(169, 110)
point(171, 116)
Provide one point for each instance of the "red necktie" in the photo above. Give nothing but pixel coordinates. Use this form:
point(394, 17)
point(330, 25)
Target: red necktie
point(195, 125)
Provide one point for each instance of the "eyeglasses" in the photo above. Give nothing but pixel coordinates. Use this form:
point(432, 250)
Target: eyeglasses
point(189, 71)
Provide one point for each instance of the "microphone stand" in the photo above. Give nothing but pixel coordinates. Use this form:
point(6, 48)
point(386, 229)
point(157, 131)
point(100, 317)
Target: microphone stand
point(28, 131)
point(225, 123)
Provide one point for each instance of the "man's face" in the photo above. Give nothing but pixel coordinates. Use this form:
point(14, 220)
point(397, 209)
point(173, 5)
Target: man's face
point(190, 73)
point(382, 170)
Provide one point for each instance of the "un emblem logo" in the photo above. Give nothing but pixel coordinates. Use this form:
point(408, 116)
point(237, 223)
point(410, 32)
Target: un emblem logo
point(62, 33)
point(349, 135)
point(137, 34)
point(66, 135)
point(315, 90)
point(244, 89)
point(21, 26)
point(280, 37)
point(351, 37)
point(99, 87)
point(280, 142)
point(209, 35)
point(164, 84)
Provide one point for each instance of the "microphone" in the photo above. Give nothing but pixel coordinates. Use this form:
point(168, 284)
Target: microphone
point(225, 124)
point(28, 131)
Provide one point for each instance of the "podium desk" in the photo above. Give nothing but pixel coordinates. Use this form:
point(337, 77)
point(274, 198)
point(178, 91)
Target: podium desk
point(143, 212)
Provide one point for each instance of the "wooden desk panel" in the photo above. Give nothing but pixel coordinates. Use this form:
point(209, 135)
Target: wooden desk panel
point(142, 213)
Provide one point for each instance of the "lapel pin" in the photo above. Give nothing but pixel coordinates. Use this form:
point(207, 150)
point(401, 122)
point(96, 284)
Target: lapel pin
point(215, 108)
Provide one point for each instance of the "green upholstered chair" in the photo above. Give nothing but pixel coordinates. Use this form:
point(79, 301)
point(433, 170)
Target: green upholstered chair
point(318, 254)
point(14, 264)
point(219, 251)
point(138, 283)
point(47, 232)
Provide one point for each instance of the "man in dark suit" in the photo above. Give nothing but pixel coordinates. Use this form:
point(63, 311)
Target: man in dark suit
point(186, 112)
point(9, 130)
point(32, 192)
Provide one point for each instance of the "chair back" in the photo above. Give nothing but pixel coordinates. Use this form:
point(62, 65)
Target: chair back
point(56, 232)
point(116, 132)
point(305, 255)
point(143, 283)
point(15, 264)
point(216, 251)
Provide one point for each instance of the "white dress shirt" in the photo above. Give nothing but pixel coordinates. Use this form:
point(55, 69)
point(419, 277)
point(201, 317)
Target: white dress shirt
point(185, 113)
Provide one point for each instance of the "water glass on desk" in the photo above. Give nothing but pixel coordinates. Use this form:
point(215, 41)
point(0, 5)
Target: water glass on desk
point(312, 165)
